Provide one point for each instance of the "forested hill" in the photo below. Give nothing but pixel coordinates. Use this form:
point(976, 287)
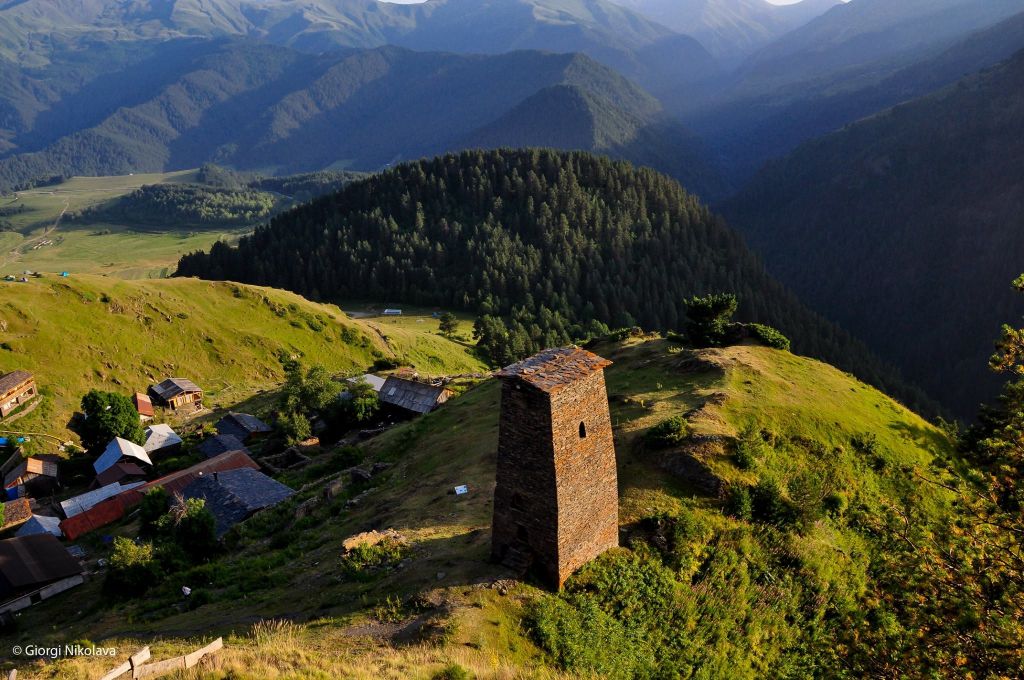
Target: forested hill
point(906, 228)
point(558, 244)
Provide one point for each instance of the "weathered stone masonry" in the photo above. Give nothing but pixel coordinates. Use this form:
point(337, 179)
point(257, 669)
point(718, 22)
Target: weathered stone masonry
point(556, 499)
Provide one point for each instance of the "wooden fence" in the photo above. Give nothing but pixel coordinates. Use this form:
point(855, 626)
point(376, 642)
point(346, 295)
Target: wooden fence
point(138, 667)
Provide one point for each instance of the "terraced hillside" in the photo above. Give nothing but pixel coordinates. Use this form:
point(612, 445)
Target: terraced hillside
point(758, 596)
point(86, 332)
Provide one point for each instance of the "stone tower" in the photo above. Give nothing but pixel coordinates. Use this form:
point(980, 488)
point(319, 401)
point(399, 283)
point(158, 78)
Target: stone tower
point(556, 503)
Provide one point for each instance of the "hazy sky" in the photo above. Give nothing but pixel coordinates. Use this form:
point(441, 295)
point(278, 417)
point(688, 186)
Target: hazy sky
point(774, 2)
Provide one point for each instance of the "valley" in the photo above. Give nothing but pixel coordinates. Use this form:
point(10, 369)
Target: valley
point(495, 339)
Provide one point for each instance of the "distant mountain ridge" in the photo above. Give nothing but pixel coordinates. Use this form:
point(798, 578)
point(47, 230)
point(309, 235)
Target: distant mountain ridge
point(731, 29)
point(899, 225)
point(271, 109)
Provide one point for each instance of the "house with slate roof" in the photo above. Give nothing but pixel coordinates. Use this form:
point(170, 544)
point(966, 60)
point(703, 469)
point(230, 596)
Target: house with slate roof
point(412, 395)
point(235, 495)
point(222, 443)
point(243, 426)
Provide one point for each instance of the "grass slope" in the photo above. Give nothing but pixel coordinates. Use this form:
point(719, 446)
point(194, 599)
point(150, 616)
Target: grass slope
point(86, 331)
point(42, 240)
point(446, 592)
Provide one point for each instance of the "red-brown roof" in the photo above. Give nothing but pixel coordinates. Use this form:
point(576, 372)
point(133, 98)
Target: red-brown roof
point(554, 369)
point(143, 404)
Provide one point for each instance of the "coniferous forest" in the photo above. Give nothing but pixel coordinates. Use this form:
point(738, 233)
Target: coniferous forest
point(545, 247)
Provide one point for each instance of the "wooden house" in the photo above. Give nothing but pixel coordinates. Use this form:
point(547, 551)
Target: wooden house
point(34, 568)
point(243, 427)
point(177, 393)
point(34, 476)
point(16, 388)
point(413, 396)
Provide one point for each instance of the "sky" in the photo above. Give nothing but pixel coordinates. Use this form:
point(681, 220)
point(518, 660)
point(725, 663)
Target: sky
point(413, 2)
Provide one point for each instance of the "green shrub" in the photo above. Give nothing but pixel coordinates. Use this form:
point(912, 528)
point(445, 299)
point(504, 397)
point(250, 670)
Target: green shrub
point(768, 336)
point(363, 561)
point(668, 433)
point(750, 448)
point(768, 505)
point(133, 568)
point(738, 503)
point(708, 318)
point(452, 671)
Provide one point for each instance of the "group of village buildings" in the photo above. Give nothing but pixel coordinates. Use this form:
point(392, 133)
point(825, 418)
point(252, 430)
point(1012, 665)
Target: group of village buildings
point(38, 556)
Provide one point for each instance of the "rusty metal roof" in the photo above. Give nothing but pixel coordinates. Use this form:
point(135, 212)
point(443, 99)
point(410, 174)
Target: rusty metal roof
point(554, 369)
point(17, 512)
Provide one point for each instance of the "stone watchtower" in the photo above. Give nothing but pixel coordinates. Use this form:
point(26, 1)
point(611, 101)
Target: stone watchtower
point(556, 503)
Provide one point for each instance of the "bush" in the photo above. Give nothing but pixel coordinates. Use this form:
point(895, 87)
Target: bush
point(668, 433)
point(133, 568)
point(708, 318)
point(155, 504)
point(452, 671)
point(750, 448)
point(768, 336)
point(768, 504)
point(738, 503)
point(362, 561)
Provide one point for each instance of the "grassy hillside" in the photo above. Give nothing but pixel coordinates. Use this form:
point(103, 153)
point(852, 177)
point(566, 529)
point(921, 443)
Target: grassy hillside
point(761, 599)
point(86, 331)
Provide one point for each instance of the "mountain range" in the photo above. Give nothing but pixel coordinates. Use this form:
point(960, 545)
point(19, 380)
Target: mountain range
point(901, 224)
point(273, 109)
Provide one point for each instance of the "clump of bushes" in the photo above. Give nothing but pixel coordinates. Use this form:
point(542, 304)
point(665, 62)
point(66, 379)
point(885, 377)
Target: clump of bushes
point(452, 671)
point(363, 561)
point(769, 336)
point(750, 448)
point(668, 433)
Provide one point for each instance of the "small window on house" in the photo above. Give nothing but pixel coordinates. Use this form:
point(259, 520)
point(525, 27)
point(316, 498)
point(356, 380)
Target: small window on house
point(583, 431)
point(517, 502)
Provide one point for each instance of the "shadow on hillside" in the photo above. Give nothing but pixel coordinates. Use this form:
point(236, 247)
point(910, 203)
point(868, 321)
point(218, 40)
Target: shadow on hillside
point(930, 439)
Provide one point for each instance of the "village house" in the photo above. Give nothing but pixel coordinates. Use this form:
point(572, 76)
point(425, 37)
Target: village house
point(235, 495)
point(413, 396)
point(87, 501)
point(161, 440)
point(115, 507)
point(144, 405)
point(374, 381)
point(35, 476)
point(40, 524)
point(243, 427)
point(16, 513)
point(16, 388)
point(177, 393)
point(120, 449)
point(221, 443)
point(124, 472)
point(34, 568)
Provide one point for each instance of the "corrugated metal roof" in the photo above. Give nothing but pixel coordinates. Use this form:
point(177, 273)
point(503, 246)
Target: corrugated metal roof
point(374, 381)
point(79, 504)
point(554, 369)
point(116, 450)
point(413, 396)
point(41, 524)
point(143, 405)
point(160, 437)
point(31, 561)
point(8, 381)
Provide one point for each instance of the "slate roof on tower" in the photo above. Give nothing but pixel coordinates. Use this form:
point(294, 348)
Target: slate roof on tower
point(554, 369)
